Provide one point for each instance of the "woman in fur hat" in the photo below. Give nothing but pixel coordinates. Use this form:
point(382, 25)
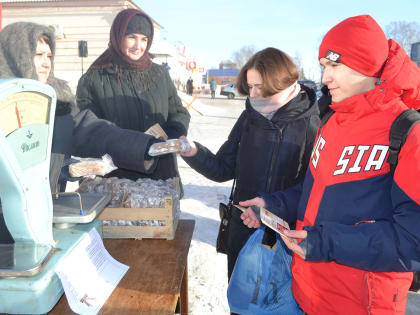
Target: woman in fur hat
point(124, 86)
point(27, 51)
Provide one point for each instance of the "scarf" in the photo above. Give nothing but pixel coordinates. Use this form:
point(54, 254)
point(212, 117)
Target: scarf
point(268, 106)
point(113, 56)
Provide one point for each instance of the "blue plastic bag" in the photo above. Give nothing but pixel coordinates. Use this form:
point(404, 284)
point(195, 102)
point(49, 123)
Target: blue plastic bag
point(261, 282)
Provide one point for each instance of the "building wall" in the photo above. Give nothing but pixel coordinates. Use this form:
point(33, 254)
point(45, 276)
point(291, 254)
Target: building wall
point(74, 20)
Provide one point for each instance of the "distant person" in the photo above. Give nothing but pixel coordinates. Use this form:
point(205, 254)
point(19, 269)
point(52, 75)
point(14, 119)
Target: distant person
point(213, 87)
point(125, 87)
point(190, 86)
point(270, 144)
point(357, 236)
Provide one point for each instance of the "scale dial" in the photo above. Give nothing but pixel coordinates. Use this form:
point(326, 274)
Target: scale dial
point(23, 109)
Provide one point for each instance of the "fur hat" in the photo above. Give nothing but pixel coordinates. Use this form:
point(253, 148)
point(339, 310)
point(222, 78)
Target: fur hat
point(139, 24)
point(18, 43)
point(359, 43)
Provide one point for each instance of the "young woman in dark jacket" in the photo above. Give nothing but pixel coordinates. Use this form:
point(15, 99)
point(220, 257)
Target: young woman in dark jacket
point(125, 87)
point(270, 144)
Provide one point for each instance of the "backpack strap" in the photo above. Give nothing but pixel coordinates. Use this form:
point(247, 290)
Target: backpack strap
point(400, 129)
point(325, 118)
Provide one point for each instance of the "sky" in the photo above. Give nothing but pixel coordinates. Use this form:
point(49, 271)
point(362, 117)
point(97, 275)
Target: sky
point(213, 30)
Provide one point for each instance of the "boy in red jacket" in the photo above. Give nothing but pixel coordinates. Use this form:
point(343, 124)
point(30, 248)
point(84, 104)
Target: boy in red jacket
point(357, 239)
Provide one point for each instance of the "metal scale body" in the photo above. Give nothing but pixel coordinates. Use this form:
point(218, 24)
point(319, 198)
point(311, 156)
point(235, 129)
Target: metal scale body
point(28, 283)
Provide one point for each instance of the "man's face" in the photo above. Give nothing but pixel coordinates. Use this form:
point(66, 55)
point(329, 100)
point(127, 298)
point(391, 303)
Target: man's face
point(344, 82)
point(134, 45)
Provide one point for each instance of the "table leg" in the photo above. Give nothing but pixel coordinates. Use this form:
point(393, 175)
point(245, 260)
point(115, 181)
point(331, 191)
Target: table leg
point(184, 292)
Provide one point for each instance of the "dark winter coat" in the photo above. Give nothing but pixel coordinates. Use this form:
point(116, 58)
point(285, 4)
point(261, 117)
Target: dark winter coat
point(263, 155)
point(75, 133)
point(136, 100)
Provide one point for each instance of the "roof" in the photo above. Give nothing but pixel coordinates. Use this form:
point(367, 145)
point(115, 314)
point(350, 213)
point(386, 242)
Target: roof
point(223, 72)
point(6, 1)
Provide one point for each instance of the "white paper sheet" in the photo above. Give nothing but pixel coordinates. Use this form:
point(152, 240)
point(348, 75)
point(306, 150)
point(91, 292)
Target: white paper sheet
point(89, 274)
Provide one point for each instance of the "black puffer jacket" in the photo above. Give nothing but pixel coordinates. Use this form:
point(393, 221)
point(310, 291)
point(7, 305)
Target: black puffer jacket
point(263, 155)
point(136, 100)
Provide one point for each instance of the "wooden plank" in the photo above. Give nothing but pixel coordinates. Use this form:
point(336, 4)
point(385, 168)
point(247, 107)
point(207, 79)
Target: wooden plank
point(167, 214)
point(153, 283)
point(184, 293)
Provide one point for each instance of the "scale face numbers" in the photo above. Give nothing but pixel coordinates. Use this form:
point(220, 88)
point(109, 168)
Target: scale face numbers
point(24, 118)
point(23, 109)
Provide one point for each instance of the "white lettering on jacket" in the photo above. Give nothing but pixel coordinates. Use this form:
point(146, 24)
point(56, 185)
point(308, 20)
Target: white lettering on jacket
point(376, 158)
point(320, 143)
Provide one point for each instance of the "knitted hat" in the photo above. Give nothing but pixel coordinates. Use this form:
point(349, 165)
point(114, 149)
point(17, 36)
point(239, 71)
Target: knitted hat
point(139, 24)
point(359, 43)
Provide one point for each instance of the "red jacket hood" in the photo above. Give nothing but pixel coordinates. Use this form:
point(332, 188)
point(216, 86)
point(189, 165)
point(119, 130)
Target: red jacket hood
point(399, 87)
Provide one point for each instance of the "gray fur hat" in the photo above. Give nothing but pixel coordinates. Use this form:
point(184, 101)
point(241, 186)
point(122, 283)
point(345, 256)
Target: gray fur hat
point(18, 43)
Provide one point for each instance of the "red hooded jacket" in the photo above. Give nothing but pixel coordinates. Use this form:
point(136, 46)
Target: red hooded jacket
point(363, 224)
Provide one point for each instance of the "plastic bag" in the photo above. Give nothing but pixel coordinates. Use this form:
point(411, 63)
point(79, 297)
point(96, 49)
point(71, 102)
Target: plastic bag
point(261, 281)
point(169, 146)
point(91, 166)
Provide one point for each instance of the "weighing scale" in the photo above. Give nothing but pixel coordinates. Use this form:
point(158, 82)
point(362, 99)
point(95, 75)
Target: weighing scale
point(28, 282)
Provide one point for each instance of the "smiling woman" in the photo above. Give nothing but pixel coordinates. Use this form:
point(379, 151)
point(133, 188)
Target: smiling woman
point(124, 86)
point(134, 45)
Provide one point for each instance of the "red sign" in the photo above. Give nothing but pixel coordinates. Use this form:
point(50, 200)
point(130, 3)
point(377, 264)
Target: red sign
point(191, 65)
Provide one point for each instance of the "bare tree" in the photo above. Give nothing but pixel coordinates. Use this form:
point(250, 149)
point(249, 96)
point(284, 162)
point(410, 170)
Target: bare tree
point(405, 33)
point(241, 56)
point(299, 65)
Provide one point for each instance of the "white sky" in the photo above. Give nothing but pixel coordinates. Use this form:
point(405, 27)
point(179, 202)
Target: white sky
point(213, 30)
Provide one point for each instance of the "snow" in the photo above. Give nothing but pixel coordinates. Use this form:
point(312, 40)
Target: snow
point(207, 270)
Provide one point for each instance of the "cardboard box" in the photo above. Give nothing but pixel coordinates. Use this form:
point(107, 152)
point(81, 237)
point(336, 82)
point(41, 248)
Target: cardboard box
point(167, 217)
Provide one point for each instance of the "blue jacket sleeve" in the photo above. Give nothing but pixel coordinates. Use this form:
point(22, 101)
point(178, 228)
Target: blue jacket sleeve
point(388, 245)
point(93, 137)
point(382, 246)
point(284, 203)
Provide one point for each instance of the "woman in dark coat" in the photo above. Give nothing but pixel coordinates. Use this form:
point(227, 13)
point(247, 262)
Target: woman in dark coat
point(270, 144)
point(27, 51)
point(125, 87)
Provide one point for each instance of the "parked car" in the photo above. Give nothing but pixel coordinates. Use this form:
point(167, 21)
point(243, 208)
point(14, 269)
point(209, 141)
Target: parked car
point(229, 90)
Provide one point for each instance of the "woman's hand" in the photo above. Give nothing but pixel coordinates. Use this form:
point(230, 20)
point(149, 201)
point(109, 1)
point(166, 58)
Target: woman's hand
point(249, 217)
point(192, 151)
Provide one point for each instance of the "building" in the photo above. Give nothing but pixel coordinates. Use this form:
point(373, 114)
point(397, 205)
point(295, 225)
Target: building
point(74, 21)
point(222, 76)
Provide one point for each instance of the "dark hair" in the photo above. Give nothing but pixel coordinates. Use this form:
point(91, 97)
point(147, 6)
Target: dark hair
point(45, 39)
point(276, 69)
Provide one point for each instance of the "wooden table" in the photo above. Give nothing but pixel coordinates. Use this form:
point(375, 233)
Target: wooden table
point(157, 277)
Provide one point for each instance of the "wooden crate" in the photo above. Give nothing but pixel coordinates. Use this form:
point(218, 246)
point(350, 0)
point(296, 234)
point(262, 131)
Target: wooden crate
point(167, 214)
